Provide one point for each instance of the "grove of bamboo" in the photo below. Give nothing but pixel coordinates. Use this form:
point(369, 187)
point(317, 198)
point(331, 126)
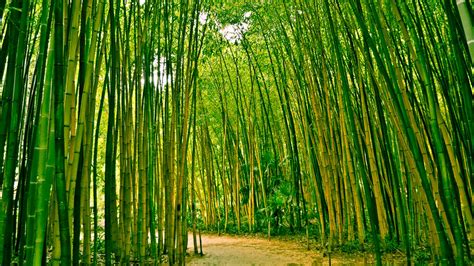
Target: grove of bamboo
point(126, 124)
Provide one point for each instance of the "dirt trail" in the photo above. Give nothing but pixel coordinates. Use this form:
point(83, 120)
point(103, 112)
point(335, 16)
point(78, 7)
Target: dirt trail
point(231, 250)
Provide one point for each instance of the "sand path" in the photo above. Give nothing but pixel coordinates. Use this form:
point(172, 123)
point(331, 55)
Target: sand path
point(241, 250)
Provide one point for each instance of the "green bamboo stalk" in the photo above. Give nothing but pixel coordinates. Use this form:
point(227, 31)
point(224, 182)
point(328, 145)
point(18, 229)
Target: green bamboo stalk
point(465, 12)
point(59, 137)
point(11, 159)
point(39, 152)
point(46, 152)
point(109, 155)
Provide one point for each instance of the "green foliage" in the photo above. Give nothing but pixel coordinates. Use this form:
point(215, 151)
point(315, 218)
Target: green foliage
point(351, 247)
point(423, 254)
point(99, 246)
point(391, 245)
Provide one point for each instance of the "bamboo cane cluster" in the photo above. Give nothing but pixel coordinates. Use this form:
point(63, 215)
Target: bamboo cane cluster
point(123, 123)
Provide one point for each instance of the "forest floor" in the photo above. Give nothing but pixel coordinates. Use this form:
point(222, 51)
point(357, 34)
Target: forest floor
point(253, 250)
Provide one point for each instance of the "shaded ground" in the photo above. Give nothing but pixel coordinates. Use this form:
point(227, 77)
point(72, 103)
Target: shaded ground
point(242, 250)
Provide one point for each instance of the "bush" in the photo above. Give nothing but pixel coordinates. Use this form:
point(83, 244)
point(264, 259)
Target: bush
point(351, 247)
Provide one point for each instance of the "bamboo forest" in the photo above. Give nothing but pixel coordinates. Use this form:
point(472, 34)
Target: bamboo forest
point(128, 128)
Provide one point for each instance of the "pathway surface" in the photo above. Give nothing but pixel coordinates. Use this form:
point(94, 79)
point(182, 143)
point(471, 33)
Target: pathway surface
point(241, 250)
